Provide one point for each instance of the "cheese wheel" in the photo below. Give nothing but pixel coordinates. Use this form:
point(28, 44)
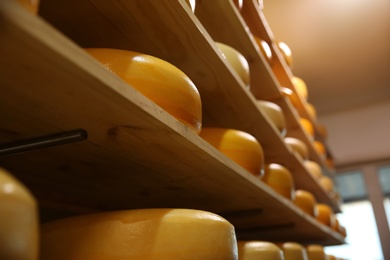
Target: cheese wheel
point(306, 201)
point(294, 251)
point(274, 113)
point(300, 87)
point(279, 178)
point(325, 214)
point(327, 184)
point(19, 237)
point(180, 234)
point(342, 231)
point(30, 5)
point(311, 110)
point(236, 60)
point(316, 252)
point(298, 146)
point(320, 148)
point(335, 225)
point(265, 49)
point(158, 80)
point(286, 52)
point(313, 168)
point(239, 146)
point(307, 126)
point(253, 250)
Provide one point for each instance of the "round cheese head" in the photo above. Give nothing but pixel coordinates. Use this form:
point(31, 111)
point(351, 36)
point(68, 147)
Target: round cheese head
point(316, 252)
point(237, 61)
point(180, 234)
point(19, 239)
point(274, 113)
point(253, 250)
point(160, 81)
point(294, 251)
point(239, 146)
point(280, 179)
point(306, 202)
point(298, 146)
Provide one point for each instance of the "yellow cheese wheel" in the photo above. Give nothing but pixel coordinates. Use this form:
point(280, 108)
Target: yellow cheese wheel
point(286, 52)
point(307, 126)
point(298, 146)
point(239, 146)
point(327, 184)
point(279, 178)
point(158, 80)
point(306, 201)
point(300, 87)
point(237, 61)
point(294, 251)
point(254, 250)
point(265, 49)
point(320, 148)
point(19, 239)
point(30, 5)
point(316, 252)
point(313, 168)
point(274, 113)
point(180, 234)
point(311, 110)
point(325, 214)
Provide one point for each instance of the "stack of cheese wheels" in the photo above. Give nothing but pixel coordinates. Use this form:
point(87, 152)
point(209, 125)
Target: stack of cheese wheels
point(253, 250)
point(316, 252)
point(158, 80)
point(280, 179)
point(313, 168)
point(298, 147)
point(265, 49)
point(180, 234)
point(294, 251)
point(19, 239)
point(306, 201)
point(274, 114)
point(237, 61)
point(239, 146)
point(325, 214)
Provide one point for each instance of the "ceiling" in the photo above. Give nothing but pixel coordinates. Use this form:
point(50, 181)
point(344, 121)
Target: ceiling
point(340, 48)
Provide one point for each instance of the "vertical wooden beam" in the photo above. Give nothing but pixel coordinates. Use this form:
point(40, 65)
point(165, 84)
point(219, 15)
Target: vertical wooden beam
point(375, 195)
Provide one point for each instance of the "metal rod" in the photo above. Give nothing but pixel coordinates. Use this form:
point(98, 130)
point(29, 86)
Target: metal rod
point(43, 142)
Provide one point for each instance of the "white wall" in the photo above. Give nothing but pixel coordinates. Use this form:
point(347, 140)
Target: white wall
point(360, 134)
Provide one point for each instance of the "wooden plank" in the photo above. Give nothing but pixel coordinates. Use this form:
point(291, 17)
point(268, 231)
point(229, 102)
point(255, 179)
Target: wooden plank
point(224, 23)
point(137, 155)
point(257, 23)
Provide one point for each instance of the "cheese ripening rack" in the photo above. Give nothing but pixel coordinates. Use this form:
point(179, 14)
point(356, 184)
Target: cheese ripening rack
point(136, 155)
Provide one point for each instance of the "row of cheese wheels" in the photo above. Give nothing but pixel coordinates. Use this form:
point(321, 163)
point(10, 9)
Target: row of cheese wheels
point(172, 90)
point(163, 233)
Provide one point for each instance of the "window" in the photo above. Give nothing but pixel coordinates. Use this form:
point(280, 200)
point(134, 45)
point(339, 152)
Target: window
point(351, 186)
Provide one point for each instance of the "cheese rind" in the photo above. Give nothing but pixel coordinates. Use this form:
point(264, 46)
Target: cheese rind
point(140, 234)
point(253, 250)
point(294, 251)
point(157, 79)
point(19, 237)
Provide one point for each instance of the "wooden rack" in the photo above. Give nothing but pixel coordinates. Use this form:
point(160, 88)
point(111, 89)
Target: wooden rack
point(136, 154)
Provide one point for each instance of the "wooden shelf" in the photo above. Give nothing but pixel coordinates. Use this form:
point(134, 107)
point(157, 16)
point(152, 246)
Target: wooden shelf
point(136, 154)
point(255, 20)
point(224, 23)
